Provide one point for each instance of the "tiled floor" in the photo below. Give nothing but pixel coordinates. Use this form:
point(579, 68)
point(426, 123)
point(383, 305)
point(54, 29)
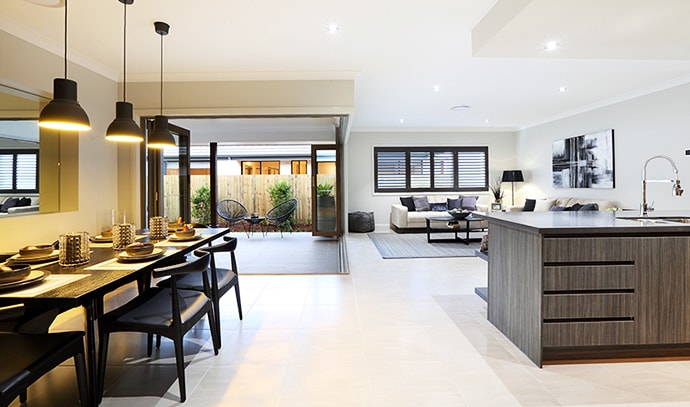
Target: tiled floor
point(392, 333)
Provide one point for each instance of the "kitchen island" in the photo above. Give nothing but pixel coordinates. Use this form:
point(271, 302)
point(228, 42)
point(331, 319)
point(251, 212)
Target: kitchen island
point(576, 286)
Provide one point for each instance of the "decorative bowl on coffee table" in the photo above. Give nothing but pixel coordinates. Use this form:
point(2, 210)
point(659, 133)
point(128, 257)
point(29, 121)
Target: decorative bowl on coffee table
point(459, 214)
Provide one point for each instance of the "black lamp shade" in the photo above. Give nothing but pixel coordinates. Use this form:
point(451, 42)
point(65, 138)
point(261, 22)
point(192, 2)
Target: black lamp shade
point(512, 176)
point(123, 128)
point(160, 137)
point(64, 112)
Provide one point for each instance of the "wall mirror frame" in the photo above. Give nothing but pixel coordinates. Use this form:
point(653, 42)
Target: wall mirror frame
point(58, 165)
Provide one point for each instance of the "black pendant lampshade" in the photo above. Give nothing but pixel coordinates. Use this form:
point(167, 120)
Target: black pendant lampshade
point(64, 112)
point(123, 128)
point(161, 137)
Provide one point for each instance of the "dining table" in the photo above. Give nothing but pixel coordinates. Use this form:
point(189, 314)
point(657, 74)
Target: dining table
point(64, 288)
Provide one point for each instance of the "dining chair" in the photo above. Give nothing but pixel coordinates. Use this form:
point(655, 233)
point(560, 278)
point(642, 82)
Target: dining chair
point(232, 211)
point(279, 215)
point(164, 311)
point(222, 280)
point(27, 357)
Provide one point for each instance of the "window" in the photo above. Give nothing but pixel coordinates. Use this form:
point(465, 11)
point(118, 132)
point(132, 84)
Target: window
point(260, 167)
point(428, 169)
point(18, 171)
point(299, 166)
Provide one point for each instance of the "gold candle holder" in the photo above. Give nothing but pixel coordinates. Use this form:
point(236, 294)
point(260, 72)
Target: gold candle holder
point(74, 249)
point(123, 235)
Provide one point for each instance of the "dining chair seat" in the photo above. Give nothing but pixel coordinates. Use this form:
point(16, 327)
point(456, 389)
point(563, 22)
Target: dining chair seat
point(28, 357)
point(163, 311)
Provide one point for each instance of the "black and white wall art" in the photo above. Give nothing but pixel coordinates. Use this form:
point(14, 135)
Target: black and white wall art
point(584, 161)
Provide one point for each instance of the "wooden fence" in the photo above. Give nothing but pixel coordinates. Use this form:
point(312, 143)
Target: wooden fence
point(251, 190)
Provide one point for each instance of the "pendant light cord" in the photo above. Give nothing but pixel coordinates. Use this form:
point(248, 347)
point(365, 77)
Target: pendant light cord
point(161, 74)
point(124, 57)
point(65, 39)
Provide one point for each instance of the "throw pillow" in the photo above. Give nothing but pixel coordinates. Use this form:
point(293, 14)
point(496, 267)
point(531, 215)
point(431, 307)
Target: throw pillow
point(421, 203)
point(407, 202)
point(24, 202)
point(529, 205)
point(574, 208)
point(438, 206)
point(454, 203)
point(557, 208)
point(543, 205)
point(589, 207)
point(469, 202)
point(9, 203)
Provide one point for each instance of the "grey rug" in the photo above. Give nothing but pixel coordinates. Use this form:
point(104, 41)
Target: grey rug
point(414, 245)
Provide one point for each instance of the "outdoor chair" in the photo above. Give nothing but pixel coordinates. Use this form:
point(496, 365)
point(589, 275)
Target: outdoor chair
point(163, 311)
point(232, 211)
point(27, 357)
point(279, 215)
point(222, 280)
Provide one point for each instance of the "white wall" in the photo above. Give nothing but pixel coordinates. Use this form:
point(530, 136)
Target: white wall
point(359, 163)
point(658, 123)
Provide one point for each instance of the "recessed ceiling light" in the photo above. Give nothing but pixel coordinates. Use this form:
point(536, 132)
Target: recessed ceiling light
point(436, 88)
point(332, 28)
point(460, 107)
point(402, 120)
point(562, 89)
point(486, 121)
point(552, 46)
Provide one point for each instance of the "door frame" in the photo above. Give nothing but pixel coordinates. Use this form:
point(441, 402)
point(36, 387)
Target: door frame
point(338, 195)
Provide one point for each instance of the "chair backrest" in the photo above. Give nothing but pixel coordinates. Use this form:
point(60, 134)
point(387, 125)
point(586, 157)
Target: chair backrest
point(282, 211)
point(231, 210)
point(195, 266)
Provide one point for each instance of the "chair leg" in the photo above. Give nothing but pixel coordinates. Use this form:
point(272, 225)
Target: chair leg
point(82, 381)
point(23, 396)
point(215, 330)
point(237, 295)
point(102, 360)
point(179, 357)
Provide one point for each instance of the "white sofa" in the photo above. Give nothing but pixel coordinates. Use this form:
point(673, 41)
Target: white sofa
point(546, 204)
point(403, 220)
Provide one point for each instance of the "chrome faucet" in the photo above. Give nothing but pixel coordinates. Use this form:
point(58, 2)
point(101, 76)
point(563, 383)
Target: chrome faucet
point(677, 189)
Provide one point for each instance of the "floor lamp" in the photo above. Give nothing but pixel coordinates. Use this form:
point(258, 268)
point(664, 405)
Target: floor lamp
point(512, 176)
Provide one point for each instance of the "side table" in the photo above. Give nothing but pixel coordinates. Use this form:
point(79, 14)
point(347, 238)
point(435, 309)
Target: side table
point(254, 220)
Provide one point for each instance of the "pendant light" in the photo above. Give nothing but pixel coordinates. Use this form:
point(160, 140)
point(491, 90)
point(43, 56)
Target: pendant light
point(64, 112)
point(161, 137)
point(123, 128)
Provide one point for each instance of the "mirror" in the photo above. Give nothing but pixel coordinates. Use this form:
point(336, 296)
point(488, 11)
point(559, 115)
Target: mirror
point(33, 162)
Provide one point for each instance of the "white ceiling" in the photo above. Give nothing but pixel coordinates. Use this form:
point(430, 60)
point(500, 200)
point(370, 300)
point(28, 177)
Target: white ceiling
point(396, 51)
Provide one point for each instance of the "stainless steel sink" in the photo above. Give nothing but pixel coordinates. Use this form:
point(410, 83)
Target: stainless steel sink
point(667, 221)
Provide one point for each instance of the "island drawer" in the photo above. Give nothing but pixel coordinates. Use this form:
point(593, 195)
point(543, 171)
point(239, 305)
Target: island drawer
point(589, 250)
point(589, 277)
point(580, 307)
point(589, 333)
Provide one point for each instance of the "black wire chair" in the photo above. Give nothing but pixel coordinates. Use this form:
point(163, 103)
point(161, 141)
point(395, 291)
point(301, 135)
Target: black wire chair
point(232, 211)
point(279, 216)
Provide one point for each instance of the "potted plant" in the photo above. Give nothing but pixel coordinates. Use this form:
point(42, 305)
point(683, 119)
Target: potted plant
point(496, 191)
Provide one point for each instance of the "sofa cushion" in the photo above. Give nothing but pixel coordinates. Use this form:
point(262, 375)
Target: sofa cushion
point(10, 202)
point(543, 205)
point(23, 202)
point(454, 203)
point(421, 203)
point(438, 206)
point(589, 207)
point(407, 202)
point(469, 202)
point(557, 208)
point(529, 205)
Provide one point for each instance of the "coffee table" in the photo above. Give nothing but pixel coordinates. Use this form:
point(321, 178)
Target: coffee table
point(457, 227)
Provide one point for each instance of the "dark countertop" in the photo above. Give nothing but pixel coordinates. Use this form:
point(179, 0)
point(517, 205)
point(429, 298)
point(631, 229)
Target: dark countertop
point(599, 222)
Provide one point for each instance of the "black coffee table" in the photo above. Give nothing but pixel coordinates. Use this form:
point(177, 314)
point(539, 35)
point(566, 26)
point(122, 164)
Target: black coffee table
point(457, 227)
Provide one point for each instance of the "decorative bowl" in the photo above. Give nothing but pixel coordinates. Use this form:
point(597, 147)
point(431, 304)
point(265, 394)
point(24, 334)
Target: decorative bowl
point(36, 250)
point(188, 232)
point(459, 214)
point(107, 233)
point(13, 272)
point(139, 249)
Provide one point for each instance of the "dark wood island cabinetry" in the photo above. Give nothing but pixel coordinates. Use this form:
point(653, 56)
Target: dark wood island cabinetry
point(584, 286)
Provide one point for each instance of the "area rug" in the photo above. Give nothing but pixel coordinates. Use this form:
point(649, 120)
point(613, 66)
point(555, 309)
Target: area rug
point(414, 245)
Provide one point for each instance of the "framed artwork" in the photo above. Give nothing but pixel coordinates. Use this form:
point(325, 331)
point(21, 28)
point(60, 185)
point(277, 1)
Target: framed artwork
point(585, 161)
point(496, 207)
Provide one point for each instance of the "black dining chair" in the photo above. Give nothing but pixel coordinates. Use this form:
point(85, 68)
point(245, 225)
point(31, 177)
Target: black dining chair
point(232, 211)
point(279, 216)
point(164, 311)
point(27, 357)
point(222, 280)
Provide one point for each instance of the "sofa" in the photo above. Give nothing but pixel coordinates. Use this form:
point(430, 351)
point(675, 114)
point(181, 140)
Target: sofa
point(563, 204)
point(409, 215)
point(18, 203)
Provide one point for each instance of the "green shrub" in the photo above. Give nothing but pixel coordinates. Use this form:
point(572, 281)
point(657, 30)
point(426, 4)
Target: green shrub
point(201, 205)
point(279, 192)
